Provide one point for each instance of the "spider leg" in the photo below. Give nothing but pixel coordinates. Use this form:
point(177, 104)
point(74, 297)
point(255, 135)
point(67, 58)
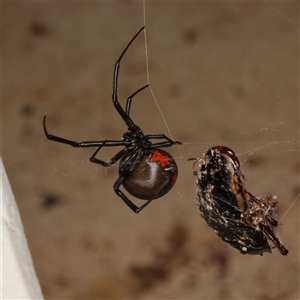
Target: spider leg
point(167, 143)
point(269, 233)
point(129, 99)
point(117, 105)
point(81, 144)
point(131, 162)
point(129, 203)
point(163, 144)
point(109, 162)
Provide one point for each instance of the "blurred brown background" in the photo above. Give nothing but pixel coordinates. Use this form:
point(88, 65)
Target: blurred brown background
point(223, 74)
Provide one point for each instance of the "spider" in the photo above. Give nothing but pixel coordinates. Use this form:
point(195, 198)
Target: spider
point(146, 171)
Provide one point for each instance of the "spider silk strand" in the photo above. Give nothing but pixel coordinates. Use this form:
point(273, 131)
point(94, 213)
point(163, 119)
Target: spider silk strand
point(147, 70)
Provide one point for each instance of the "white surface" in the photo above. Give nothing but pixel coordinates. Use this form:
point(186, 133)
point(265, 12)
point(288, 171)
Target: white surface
point(18, 278)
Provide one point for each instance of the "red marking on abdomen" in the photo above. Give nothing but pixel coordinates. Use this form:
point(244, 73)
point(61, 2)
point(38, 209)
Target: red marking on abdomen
point(163, 159)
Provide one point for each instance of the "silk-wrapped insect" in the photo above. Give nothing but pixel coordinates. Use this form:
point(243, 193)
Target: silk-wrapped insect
point(239, 218)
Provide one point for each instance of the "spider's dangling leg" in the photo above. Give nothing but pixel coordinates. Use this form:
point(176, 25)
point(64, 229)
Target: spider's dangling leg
point(129, 203)
point(106, 143)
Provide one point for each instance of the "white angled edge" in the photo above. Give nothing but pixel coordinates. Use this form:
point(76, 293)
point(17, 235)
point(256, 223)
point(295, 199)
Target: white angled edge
point(18, 278)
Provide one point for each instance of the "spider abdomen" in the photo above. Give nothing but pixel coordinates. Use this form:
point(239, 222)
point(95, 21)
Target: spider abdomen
point(153, 177)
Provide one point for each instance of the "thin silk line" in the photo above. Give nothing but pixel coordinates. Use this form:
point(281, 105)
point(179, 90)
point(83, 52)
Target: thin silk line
point(147, 68)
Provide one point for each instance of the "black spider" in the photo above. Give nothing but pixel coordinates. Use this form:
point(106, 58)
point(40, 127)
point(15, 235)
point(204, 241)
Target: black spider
point(146, 171)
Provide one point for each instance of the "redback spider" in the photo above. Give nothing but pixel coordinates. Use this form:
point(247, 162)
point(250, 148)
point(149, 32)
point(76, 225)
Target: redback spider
point(146, 171)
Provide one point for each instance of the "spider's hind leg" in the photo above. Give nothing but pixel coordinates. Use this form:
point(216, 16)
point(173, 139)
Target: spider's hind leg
point(129, 203)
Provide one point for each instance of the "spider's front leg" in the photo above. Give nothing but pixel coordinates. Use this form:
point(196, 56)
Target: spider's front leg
point(129, 99)
point(129, 203)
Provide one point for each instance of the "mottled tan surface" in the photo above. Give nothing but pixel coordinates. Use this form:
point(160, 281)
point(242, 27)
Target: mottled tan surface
point(222, 73)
